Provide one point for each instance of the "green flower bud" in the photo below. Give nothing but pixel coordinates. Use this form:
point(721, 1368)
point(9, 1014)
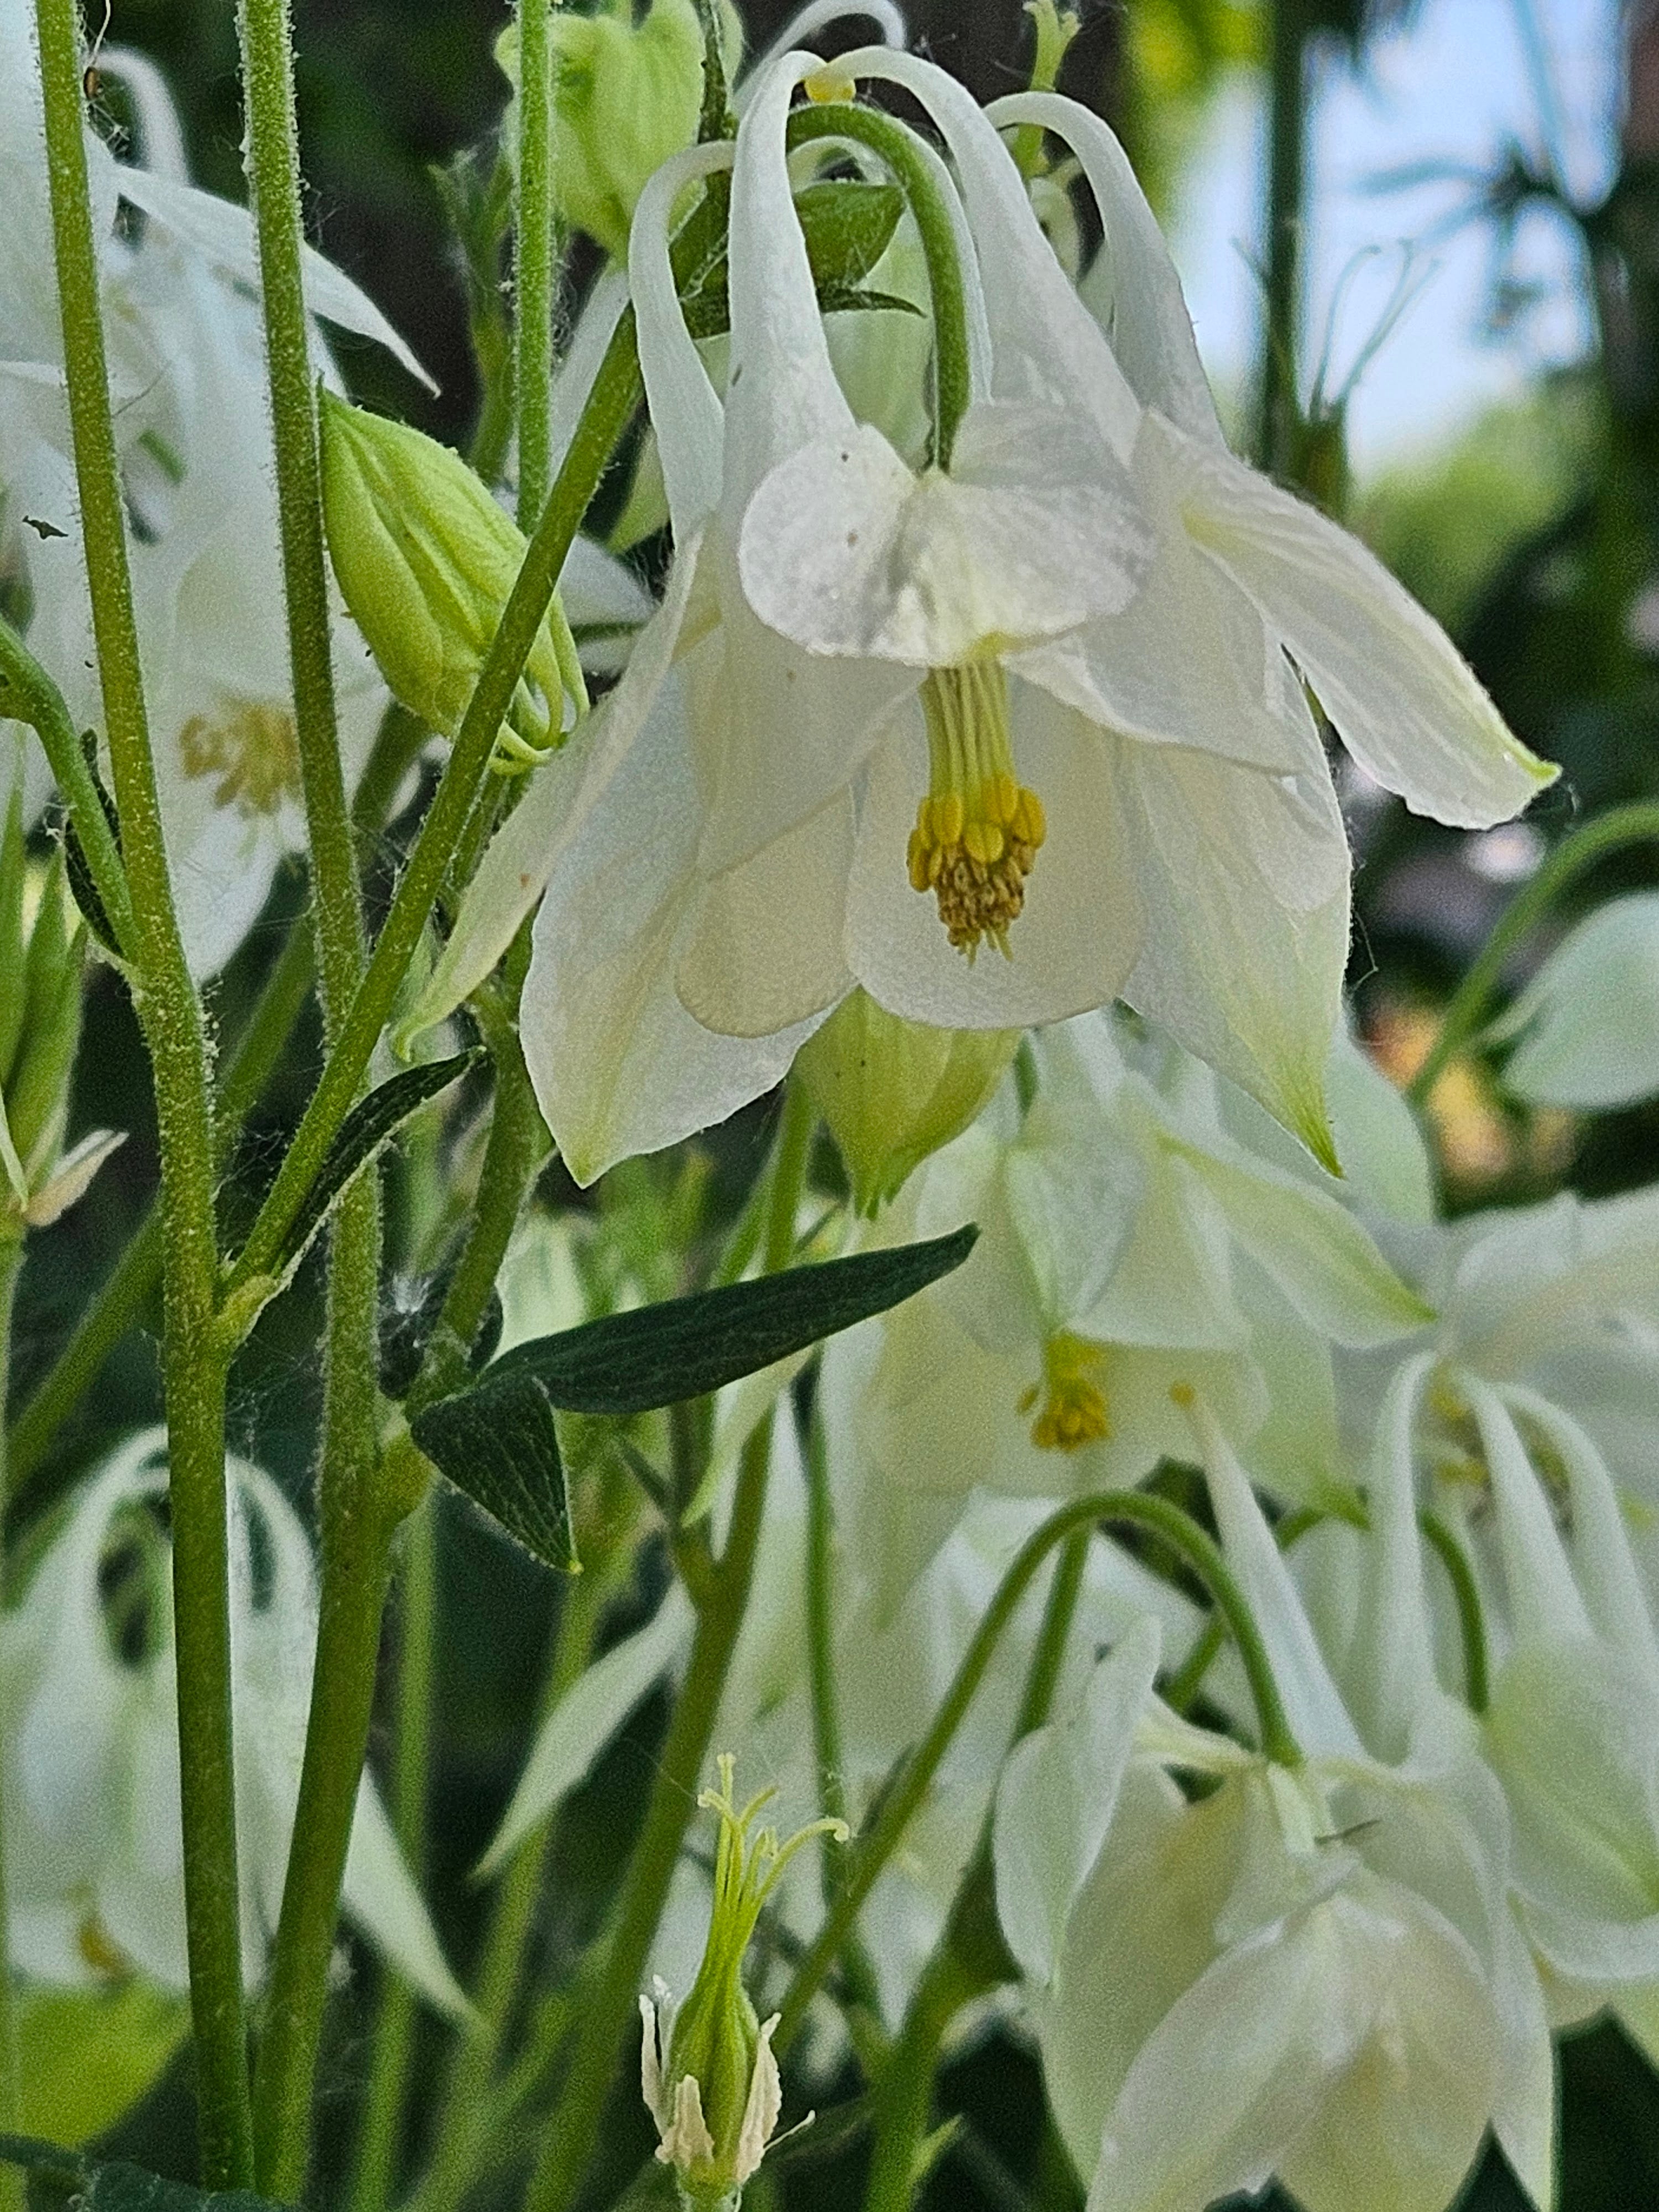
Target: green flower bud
point(706, 2067)
point(426, 560)
point(893, 1091)
point(42, 953)
point(625, 97)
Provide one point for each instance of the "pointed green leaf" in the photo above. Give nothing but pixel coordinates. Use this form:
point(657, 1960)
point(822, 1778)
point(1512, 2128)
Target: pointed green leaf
point(498, 1443)
point(83, 886)
point(631, 1363)
point(360, 1136)
point(846, 225)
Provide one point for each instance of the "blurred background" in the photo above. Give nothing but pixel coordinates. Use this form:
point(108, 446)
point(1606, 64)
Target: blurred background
point(1421, 244)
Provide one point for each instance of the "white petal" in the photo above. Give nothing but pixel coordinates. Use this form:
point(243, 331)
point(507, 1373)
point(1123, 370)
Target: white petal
point(1313, 1704)
point(1406, 704)
point(223, 234)
point(782, 392)
point(1189, 661)
point(1392, 1657)
point(1077, 938)
point(619, 1066)
point(1055, 1799)
point(763, 946)
point(1147, 321)
point(1245, 880)
point(760, 2108)
point(72, 1178)
point(688, 417)
point(1045, 345)
point(586, 1718)
point(800, 26)
point(379, 1895)
point(1588, 1020)
point(1325, 1262)
point(1544, 1600)
point(1031, 534)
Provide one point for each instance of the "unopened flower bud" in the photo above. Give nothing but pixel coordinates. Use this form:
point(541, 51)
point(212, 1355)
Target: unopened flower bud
point(42, 952)
point(892, 1092)
point(707, 2070)
point(426, 560)
point(626, 95)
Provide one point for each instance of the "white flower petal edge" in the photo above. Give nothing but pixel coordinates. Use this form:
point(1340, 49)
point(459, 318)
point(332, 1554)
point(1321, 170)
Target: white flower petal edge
point(1403, 701)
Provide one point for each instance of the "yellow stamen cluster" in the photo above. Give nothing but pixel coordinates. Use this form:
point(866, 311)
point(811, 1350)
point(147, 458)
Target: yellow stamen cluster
point(1074, 1408)
point(978, 830)
point(253, 751)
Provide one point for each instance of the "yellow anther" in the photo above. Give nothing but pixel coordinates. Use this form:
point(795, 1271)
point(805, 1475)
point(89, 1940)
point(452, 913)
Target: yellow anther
point(829, 85)
point(1184, 1395)
point(253, 751)
point(1074, 1408)
point(978, 830)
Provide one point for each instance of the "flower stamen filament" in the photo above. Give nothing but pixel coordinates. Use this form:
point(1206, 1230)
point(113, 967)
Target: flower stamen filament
point(978, 830)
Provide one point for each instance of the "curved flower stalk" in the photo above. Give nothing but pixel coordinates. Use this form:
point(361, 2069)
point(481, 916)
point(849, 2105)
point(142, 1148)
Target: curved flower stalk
point(1329, 1948)
point(188, 387)
point(93, 1851)
point(1127, 1243)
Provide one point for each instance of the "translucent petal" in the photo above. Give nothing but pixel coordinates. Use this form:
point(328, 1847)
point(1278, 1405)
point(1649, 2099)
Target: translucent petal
point(1405, 703)
point(843, 550)
point(1244, 877)
point(1055, 1799)
point(1588, 1020)
point(1145, 318)
point(762, 950)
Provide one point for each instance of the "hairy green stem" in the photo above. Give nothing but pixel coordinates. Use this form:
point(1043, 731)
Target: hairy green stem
point(914, 1776)
point(118, 1305)
point(1624, 825)
point(375, 2175)
point(610, 407)
point(919, 180)
point(611, 1997)
point(1471, 1620)
point(11, 2077)
point(532, 259)
point(194, 1360)
point(968, 1960)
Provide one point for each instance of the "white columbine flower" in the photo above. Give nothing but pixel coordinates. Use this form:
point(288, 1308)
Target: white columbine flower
point(191, 414)
point(1126, 1243)
point(94, 1852)
point(1313, 1972)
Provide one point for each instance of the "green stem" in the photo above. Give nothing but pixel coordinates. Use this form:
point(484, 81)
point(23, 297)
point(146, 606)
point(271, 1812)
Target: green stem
point(272, 161)
point(1624, 825)
point(1471, 1621)
point(374, 2176)
point(572, 2129)
point(11, 2076)
point(1287, 150)
point(532, 258)
point(906, 157)
point(358, 1522)
point(610, 407)
point(194, 1360)
point(29, 696)
point(914, 1777)
point(258, 1051)
point(969, 1960)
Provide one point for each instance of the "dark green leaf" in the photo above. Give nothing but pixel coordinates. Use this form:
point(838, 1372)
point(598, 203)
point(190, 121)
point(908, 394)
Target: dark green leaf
point(119, 2187)
point(82, 888)
point(498, 1443)
point(846, 225)
point(361, 1135)
point(628, 1362)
